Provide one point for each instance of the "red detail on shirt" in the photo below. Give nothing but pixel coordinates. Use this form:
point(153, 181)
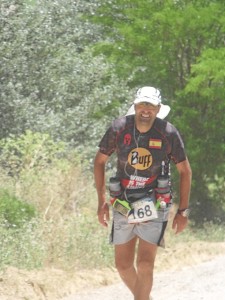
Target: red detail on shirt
point(127, 139)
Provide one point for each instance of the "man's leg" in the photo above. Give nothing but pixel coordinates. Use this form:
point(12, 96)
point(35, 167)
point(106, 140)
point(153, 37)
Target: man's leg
point(145, 265)
point(124, 260)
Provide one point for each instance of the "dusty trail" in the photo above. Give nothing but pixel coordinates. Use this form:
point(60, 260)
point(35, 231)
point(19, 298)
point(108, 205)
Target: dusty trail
point(205, 281)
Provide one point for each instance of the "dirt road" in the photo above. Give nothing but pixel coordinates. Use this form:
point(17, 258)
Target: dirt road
point(205, 281)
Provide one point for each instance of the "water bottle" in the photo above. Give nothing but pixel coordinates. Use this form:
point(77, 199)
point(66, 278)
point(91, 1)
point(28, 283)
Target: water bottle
point(114, 187)
point(163, 195)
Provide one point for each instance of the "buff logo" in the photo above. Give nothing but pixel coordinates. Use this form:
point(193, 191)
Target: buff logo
point(140, 159)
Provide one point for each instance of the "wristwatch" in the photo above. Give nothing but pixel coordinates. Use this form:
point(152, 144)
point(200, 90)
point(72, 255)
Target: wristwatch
point(184, 212)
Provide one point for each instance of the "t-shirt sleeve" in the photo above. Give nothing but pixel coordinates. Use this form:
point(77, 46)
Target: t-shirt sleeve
point(107, 144)
point(177, 152)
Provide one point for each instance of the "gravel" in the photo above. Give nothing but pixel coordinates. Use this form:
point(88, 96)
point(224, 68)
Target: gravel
point(205, 281)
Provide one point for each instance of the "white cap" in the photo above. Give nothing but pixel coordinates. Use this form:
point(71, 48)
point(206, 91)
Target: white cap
point(148, 94)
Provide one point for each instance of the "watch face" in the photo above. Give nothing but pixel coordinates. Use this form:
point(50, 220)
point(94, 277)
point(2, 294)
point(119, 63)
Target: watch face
point(185, 213)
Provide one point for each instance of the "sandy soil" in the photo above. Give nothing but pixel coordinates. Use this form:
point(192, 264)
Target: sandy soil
point(190, 271)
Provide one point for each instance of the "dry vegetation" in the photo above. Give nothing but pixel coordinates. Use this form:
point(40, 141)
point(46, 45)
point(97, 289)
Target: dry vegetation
point(67, 250)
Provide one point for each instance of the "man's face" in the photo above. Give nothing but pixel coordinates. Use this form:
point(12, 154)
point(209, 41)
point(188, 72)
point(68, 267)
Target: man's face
point(146, 111)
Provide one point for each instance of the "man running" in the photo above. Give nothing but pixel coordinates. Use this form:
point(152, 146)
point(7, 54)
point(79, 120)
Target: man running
point(144, 145)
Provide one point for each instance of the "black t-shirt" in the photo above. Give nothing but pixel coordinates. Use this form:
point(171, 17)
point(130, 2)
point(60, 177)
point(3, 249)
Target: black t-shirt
point(140, 155)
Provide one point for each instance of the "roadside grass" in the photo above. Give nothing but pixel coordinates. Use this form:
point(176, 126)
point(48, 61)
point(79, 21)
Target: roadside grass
point(65, 234)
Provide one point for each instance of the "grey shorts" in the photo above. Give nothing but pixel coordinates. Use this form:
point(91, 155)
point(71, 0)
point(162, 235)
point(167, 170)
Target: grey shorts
point(151, 231)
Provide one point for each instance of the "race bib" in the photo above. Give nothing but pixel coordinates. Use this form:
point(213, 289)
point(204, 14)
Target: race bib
point(142, 210)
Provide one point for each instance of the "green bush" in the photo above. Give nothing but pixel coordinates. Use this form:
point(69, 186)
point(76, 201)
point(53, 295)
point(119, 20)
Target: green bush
point(13, 211)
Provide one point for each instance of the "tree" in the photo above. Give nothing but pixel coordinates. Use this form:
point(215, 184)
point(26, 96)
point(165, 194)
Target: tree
point(177, 46)
point(158, 41)
point(204, 122)
point(50, 81)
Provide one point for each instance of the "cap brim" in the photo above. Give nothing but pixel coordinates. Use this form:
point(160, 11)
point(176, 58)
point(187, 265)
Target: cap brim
point(148, 100)
point(163, 112)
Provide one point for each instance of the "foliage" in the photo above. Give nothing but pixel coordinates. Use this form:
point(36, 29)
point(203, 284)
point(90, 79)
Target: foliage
point(30, 150)
point(14, 212)
point(207, 87)
point(65, 232)
point(204, 95)
point(50, 82)
point(158, 41)
point(177, 46)
point(43, 172)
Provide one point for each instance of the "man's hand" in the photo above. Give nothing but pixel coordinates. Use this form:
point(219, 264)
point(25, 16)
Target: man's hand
point(103, 214)
point(179, 223)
